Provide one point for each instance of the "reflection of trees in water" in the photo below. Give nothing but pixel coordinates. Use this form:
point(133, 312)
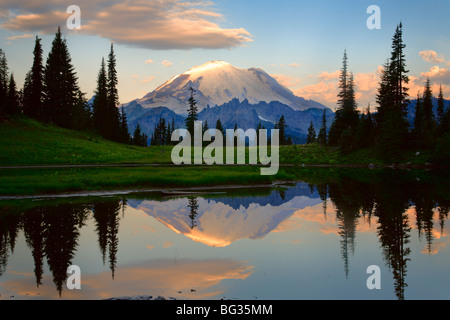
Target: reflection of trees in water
point(106, 215)
point(193, 211)
point(9, 225)
point(388, 199)
point(348, 207)
point(393, 229)
point(52, 233)
point(61, 233)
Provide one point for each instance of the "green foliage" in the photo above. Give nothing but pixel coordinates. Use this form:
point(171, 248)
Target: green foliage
point(311, 137)
point(192, 112)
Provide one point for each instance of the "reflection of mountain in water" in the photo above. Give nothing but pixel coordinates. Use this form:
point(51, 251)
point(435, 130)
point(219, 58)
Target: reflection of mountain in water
point(221, 221)
point(275, 198)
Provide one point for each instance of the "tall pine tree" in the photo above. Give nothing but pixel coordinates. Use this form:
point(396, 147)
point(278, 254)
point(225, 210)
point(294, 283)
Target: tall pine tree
point(3, 79)
point(33, 104)
point(61, 90)
point(428, 123)
point(347, 116)
point(100, 103)
point(392, 137)
point(192, 112)
point(12, 99)
point(112, 111)
point(322, 137)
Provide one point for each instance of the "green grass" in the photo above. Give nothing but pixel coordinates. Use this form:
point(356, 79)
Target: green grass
point(27, 142)
point(50, 181)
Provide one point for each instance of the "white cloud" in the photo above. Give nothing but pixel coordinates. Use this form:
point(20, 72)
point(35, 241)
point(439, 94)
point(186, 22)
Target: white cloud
point(23, 36)
point(149, 61)
point(152, 24)
point(167, 63)
point(431, 56)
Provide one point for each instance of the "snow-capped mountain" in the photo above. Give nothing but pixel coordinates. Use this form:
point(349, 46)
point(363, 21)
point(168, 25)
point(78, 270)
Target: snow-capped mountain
point(218, 82)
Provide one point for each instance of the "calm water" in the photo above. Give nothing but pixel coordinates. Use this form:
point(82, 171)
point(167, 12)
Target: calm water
point(298, 241)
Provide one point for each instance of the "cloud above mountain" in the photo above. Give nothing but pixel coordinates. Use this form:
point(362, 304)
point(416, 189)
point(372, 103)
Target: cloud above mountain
point(152, 24)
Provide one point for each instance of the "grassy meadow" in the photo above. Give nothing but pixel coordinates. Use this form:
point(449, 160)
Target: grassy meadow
point(25, 142)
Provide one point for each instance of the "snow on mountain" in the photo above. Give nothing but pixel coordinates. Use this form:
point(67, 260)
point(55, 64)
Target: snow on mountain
point(218, 82)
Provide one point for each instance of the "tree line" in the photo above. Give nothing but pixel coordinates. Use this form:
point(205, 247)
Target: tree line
point(51, 94)
point(388, 130)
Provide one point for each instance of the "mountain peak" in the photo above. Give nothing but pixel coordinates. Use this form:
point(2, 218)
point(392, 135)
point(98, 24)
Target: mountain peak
point(218, 82)
point(211, 65)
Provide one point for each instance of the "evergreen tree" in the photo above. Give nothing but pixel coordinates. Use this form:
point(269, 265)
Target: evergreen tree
point(26, 94)
point(100, 103)
point(12, 98)
point(192, 112)
point(322, 138)
point(61, 90)
point(3, 79)
point(139, 138)
point(443, 116)
point(219, 126)
point(346, 117)
point(428, 122)
point(205, 127)
point(392, 100)
point(112, 112)
point(82, 115)
point(416, 131)
point(311, 138)
point(33, 105)
point(281, 125)
point(125, 135)
point(440, 108)
point(366, 130)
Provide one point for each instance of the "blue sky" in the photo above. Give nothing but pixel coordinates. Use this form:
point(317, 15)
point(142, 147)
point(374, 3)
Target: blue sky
point(300, 43)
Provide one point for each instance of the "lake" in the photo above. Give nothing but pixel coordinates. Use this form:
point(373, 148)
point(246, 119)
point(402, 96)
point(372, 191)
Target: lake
point(311, 239)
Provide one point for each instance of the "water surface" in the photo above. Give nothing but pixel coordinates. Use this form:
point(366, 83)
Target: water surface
point(304, 240)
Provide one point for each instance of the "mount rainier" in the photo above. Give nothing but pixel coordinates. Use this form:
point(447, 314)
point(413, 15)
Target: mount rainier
point(235, 96)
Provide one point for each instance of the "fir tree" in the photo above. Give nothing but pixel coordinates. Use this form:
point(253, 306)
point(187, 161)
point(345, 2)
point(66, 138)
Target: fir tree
point(12, 98)
point(322, 138)
point(392, 100)
point(365, 132)
point(428, 122)
point(125, 135)
point(100, 104)
point(112, 112)
point(33, 105)
point(192, 112)
point(346, 116)
point(281, 125)
point(139, 138)
point(442, 115)
point(205, 127)
point(311, 138)
point(61, 89)
point(219, 126)
point(3, 79)
point(440, 108)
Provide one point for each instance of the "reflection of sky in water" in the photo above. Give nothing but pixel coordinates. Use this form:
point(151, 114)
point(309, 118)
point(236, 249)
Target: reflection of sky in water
point(240, 248)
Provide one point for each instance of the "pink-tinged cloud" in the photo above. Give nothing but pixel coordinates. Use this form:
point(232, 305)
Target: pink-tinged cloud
point(23, 36)
point(431, 56)
point(326, 88)
point(167, 63)
point(165, 277)
point(152, 24)
point(286, 81)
